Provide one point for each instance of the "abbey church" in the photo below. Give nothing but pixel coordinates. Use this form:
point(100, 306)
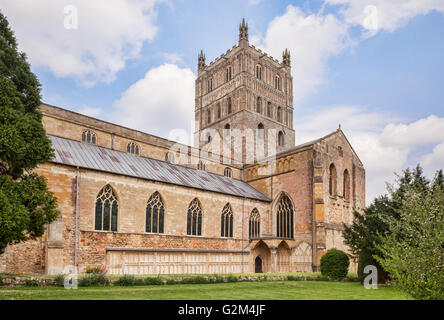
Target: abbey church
point(243, 199)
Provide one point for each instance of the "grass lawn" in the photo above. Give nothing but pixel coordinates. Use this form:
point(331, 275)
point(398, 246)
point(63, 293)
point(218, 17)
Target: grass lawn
point(263, 290)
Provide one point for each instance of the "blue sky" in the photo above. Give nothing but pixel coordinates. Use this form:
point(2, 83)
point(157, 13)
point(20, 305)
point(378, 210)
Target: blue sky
point(133, 62)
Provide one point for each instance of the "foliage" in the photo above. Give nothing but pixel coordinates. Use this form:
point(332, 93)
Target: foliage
point(59, 280)
point(362, 237)
point(126, 280)
point(366, 259)
point(413, 249)
point(1, 281)
point(151, 281)
point(94, 280)
point(26, 205)
point(94, 270)
point(334, 264)
point(31, 283)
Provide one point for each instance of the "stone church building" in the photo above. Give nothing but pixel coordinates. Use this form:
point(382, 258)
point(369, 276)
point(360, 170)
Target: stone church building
point(141, 204)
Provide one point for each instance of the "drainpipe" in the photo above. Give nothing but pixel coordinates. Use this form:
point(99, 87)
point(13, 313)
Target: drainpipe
point(242, 243)
point(76, 235)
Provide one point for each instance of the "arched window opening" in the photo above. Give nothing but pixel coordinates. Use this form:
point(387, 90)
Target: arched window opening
point(132, 148)
point(332, 181)
point(210, 84)
point(260, 131)
point(228, 74)
point(208, 116)
point(254, 226)
point(201, 166)
point(259, 72)
point(277, 82)
point(229, 108)
point(89, 137)
point(284, 219)
point(228, 172)
point(226, 224)
point(106, 210)
point(194, 219)
point(280, 139)
point(219, 113)
point(155, 213)
point(259, 105)
point(269, 112)
point(279, 114)
point(346, 185)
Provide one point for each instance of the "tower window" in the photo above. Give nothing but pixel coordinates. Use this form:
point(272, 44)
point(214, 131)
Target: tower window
point(280, 139)
point(269, 112)
point(277, 82)
point(259, 72)
point(259, 105)
point(208, 116)
point(218, 111)
point(210, 84)
point(229, 107)
point(279, 114)
point(346, 185)
point(260, 131)
point(228, 74)
point(228, 172)
point(332, 180)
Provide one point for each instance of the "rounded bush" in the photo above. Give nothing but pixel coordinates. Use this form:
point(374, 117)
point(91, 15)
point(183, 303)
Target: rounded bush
point(334, 264)
point(365, 259)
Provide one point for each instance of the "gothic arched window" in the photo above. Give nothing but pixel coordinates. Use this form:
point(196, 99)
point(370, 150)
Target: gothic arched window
point(269, 112)
point(254, 228)
point(228, 172)
point(259, 105)
point(226, 222)
point(89, 137)
point(228, 74)
point(208, 116)
point(284, 218)
point(155, 212)
point(280, 139)
point(279, 114)
point(229, 108)
point(277, 82)
point(107, 208)
point(194, 218)
point(132, 148)
point(346, 185)
point(210, 84)
point(332, 180)
point(259, 72)
point(219, 113)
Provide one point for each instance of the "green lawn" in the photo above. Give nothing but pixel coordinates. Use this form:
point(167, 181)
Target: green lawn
point(264, 290)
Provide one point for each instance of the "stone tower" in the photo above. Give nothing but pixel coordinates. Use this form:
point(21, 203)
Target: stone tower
point(248, 92)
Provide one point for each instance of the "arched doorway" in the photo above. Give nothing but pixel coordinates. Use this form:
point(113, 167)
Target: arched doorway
point(258, 265)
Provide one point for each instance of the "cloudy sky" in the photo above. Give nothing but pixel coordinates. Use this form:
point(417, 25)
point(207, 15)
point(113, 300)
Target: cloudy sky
point(373, 66)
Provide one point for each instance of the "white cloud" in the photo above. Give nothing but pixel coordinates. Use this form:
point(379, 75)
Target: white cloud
point(391, 15)
point(109, 33)
point(90, 111)
point(160, 102)
point(382, 142)
point(312, 39)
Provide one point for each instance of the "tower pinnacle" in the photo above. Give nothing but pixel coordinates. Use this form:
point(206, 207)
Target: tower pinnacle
point(201, 61)
point(243, 30)
point(286, 58)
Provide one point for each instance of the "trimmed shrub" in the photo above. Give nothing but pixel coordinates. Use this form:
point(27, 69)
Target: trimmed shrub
point(334, 264)
point(59, 281)
point(31, 283)
point(150, 281)
point(94, 279)
point(126, 281)
point(365, 259)
point(232, 279)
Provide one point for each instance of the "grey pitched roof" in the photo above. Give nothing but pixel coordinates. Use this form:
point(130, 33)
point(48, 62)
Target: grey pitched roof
point(75, 153)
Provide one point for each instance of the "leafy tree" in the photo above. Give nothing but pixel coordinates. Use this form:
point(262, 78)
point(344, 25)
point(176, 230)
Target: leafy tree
point(412, 250)
point(26, 205)
point(363, 235)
